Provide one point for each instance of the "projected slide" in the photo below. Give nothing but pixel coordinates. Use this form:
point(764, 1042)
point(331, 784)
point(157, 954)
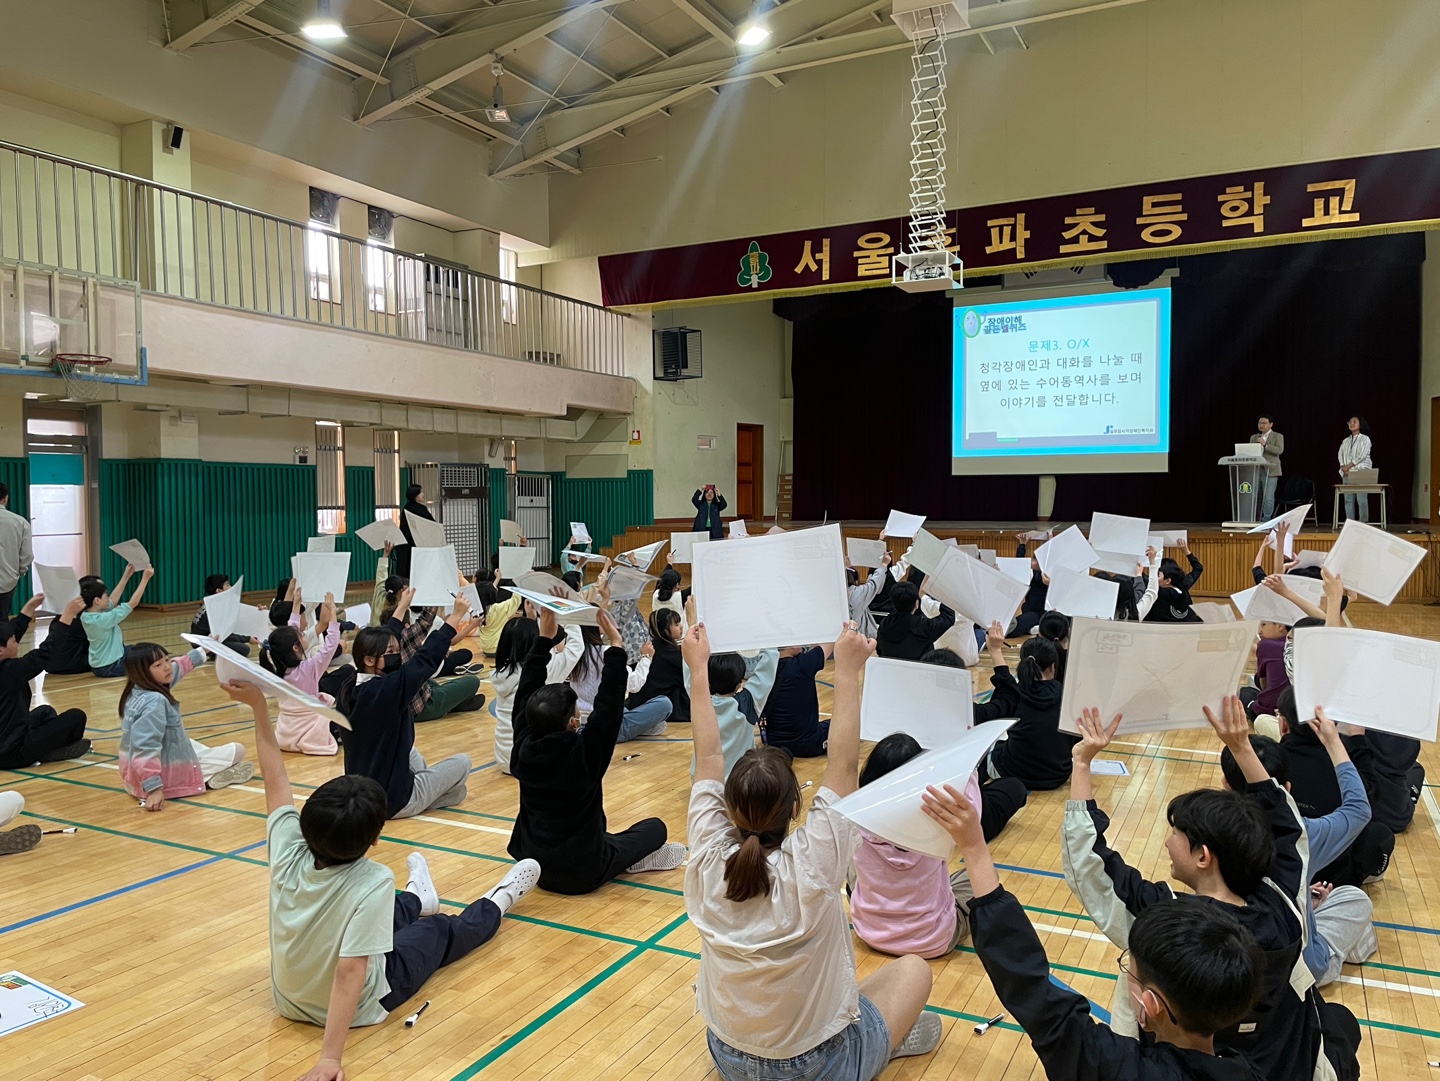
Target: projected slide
point(1076, 384)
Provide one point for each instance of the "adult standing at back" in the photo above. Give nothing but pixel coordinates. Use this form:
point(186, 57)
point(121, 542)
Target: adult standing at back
point(16, 553)
point(1273, 444)
point(413, 505)
point(708, 505)
point(1354, 453)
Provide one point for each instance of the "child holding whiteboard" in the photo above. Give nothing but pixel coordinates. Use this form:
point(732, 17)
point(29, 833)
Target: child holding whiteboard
point(102, 618)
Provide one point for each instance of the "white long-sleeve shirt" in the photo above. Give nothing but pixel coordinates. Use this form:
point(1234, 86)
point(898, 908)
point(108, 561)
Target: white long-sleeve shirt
point(1355, 451)
point(16, 551)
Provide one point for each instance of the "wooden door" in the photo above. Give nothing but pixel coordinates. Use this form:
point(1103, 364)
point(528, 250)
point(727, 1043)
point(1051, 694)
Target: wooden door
point(1432, 505)
point(749, 471)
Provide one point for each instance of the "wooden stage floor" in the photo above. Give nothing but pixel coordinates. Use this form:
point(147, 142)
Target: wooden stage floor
point(158, 921)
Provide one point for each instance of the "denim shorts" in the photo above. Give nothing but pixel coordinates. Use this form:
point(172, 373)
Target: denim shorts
point(856, 1053)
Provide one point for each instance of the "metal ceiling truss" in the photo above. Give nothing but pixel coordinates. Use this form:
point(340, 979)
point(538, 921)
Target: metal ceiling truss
point(425, 75)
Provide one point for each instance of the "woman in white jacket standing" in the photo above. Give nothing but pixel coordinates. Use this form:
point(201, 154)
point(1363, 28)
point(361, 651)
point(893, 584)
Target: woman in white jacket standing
point(1355, 454)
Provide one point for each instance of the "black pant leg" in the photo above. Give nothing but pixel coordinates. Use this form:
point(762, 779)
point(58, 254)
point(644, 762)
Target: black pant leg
point(7, 600)
point(429, 943)
point(1342, 1040)
point(632, 846)
point(46, 732)
point(1415, 781)
point(1000, 801)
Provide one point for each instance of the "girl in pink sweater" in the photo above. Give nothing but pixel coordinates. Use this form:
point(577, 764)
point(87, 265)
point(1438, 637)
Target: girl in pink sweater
point(297, 728)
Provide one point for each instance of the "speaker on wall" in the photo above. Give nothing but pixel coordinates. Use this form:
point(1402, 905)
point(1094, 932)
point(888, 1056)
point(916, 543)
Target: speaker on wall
point(177, 136)
point(677, 354)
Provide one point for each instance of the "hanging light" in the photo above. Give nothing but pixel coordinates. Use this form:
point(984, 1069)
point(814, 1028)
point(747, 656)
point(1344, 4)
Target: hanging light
point(498, 114)
point(324, 26)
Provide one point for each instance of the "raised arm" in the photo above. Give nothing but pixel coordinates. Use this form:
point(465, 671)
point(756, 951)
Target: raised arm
point(1334, 591)
point(534, 670)
point(602, 728)
point(704, 725)
point(267, 749)
point(1277, 584)
point(145, 576)
point(842, 766)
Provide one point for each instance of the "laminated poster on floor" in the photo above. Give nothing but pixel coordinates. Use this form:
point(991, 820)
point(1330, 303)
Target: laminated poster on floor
point(933, 704)
point(1160, 676)
point(891, 806)
point(1388, 682)
point(775, 591)
point(25, 1002)
point(230, 667)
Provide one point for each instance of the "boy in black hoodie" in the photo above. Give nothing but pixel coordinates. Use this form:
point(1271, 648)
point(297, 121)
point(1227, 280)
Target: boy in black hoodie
point(1242, 854)
point(1172, 602)
point(1034, 750)
point(561, 769)
point(906, 634)
point(1191, 970)
point(40, 735)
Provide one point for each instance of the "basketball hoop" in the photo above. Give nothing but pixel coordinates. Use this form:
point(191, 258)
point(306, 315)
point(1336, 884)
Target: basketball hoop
point(82, 387)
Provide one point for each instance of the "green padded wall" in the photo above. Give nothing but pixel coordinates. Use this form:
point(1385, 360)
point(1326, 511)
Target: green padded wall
point(608, 506)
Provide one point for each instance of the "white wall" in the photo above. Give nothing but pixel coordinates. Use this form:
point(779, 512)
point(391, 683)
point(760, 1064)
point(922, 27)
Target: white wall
point(1151, 91)
point(744, 357)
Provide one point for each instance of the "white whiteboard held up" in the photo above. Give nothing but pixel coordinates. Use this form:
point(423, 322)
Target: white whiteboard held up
point(435, 576)
point(567, 611)
point(320, 573)
point(510, 532)
point(1293, 519)
point(864, 553)
point(980, 593)
point(683, 545)
point(929, 702)
point(1388, 682)
point(544, 582)
point(628, 584)
point(900, 524)
point(737, 528)
point(325, 543)
point(222, 611)
point(427, 534)
point(891, 806)
point(776, 591)
point(1372, 562)
point(926, 551)
point(1080, 594)
point(359, 614)
point(580, 533)
point(230, 667)
point(641, 558)
point(133, 553)
point(1159, 675)
point(1069, 551)
point(1016, 568)
point(1258, 602)
point(1120, 539)
point(60, 586)
point(380, 533)
point(515, 560)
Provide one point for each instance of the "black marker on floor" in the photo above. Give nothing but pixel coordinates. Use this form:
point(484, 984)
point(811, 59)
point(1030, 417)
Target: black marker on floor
point(980, 1029)
point(630, 756)
point(410, 1021)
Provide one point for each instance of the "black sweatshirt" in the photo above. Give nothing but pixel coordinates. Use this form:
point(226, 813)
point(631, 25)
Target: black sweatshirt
point(561, 821)
point(382, 720)
point(1071, 1046)
point(1035, 750)
point(15, 677)
point(909, 636)
point(667, 677)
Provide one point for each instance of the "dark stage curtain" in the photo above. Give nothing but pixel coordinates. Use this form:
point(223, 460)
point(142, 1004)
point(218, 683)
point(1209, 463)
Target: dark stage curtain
point(1312, 333)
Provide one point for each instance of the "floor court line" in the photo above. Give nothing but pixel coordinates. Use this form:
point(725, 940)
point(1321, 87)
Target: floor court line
point(30, 921)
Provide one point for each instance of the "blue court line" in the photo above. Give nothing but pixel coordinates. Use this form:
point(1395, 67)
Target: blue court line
point(126, 889)
point(1408, 927)
point(1029, 870)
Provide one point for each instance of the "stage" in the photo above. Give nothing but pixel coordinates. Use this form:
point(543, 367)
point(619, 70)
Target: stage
point(1226, 556)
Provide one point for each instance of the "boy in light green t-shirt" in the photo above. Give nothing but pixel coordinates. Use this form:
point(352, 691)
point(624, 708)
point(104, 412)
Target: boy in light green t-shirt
point(346, 949)
point(102, 618)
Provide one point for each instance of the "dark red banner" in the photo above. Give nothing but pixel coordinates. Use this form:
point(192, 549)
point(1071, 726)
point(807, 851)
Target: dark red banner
point(1294, 202)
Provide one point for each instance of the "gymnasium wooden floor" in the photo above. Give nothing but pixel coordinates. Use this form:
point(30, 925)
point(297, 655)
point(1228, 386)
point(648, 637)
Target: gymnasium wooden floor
point(158, 921)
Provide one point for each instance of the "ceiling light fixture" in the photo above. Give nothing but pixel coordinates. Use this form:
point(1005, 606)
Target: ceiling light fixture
point(753, 33)
point(324, 26)
point(498, 114)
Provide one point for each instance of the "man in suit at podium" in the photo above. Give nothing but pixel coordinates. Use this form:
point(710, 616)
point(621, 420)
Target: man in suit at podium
point(1274, 446)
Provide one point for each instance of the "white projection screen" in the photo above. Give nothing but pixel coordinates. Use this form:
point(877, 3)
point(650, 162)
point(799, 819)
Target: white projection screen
point(1062, 384)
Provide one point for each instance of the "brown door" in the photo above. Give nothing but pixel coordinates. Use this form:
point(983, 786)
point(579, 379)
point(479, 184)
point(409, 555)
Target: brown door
point(1432, 505)
point(749, 471)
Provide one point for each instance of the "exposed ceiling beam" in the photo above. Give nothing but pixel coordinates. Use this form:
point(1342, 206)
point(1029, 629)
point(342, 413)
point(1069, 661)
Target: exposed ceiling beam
point(352, 58)
point(580, 59)
point(716, 25)
point(440, 62)
point(638, 96)
point(406, 16)
point(196, 20)
point(637, 35)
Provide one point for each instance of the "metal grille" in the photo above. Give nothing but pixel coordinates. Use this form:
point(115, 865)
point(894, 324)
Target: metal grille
point(329, 478)
point(387, 474)
point(464, 512)
point(530, 509)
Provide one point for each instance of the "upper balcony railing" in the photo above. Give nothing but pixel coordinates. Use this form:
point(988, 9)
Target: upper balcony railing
point(68, 214)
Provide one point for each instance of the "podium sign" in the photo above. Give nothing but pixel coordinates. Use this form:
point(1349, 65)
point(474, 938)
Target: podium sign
point(1247, 482)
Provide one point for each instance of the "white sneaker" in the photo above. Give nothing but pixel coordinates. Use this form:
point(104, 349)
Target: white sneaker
point(11, 804)
point(421, 884)
point(236, 774)
point(518, 881)
point(665, 858)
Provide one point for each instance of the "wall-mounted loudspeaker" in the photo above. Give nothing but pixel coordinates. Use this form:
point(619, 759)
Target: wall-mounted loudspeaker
point(677, 354)
point(177, 136)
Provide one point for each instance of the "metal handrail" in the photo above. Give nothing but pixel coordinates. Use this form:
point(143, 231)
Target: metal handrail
point(128, 227)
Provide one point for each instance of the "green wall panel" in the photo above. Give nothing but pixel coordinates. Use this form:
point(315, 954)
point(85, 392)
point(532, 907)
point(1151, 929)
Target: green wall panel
point(608, 506)
point(15, 475)
point(499, 507)
point(57, 469)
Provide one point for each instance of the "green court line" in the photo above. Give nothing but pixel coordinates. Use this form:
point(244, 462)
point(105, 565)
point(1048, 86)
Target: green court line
point(586, 932)
point(1010, 1026)
point(1388, 1027)
point(544, 1018)
point(142, 837)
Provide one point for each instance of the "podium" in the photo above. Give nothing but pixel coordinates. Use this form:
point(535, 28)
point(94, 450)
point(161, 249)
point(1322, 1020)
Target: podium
point(1247, 484)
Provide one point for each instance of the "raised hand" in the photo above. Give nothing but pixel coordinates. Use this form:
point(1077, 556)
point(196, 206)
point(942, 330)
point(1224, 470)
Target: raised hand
point(1232, 725)
point(695, 648)
point(610, 630)
point(1095, 736)
point(852, 650)
point(955, 814)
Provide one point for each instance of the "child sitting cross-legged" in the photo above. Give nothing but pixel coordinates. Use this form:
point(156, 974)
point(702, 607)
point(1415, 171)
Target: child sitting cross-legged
point(346, 949)
point(300, 729)
point(1191, 970)
point(102, 618)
